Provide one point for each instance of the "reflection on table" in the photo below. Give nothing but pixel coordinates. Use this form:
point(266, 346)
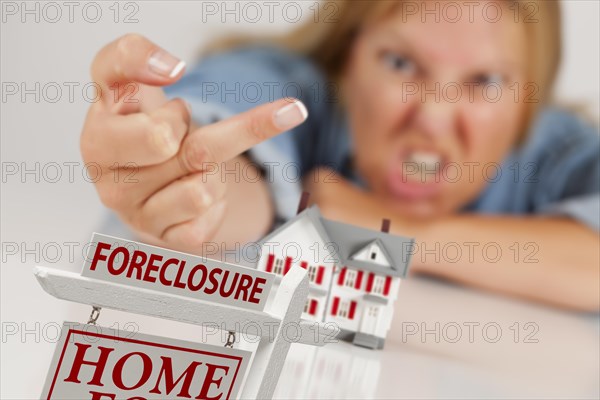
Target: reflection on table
point(452, 342)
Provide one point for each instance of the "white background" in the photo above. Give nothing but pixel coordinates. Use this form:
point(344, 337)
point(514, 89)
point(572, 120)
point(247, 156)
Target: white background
point(45, 213)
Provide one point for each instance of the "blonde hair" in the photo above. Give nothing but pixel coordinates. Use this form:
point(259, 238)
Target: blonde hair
point(328, 41)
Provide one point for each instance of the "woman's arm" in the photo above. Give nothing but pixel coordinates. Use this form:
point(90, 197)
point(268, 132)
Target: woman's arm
point(554, 260)
point(549, 259)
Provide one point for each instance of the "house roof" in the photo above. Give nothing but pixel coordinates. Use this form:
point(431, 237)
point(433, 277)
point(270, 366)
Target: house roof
point(377, 242)
point(350, 238)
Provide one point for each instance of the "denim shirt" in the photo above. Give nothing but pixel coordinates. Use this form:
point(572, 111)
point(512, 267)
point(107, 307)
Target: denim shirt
point(555, 171)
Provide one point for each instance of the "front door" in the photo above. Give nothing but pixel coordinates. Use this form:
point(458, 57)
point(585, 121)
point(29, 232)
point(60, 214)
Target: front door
point(370, 318)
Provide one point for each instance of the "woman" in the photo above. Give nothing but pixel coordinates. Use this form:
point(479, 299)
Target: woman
point(441, 124)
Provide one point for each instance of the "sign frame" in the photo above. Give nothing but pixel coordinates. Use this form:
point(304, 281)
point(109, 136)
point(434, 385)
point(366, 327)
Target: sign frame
point(121, 340)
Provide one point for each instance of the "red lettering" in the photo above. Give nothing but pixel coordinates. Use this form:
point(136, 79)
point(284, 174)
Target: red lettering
point(117, 374)
point(178, 283)
point(167, 370)
point(97, 254)
point(99, 396)
point(197, 287)
point(244, 285)
point(227, 292)
point(256, 290)
point(111, 260)
point(213, 281)
point(152, 267)
point(209, 380)
point(78, 361)
point(163, 271)
point(138, 259)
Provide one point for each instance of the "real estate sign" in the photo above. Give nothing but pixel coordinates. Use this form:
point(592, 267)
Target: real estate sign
point(91, 362)
point(140, 265)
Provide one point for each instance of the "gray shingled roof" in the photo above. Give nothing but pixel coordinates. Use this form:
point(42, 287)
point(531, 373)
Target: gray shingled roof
point(350, 238)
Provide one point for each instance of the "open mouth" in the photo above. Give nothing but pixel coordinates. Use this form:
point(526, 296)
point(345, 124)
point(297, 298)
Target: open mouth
point(417, 174)
point(422, 165)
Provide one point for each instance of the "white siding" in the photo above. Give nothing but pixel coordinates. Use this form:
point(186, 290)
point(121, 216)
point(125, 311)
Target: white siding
point(302, 242)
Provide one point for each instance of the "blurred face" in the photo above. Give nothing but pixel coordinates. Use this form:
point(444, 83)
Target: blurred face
point(432, 107)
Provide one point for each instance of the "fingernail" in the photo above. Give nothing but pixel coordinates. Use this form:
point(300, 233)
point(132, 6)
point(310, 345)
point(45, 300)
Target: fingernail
point(291, 115)
point(165, 64)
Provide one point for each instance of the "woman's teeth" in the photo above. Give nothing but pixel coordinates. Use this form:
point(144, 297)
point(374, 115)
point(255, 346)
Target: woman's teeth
point(421, 175)
point(425, 162)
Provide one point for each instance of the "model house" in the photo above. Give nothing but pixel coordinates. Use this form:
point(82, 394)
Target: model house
point(354, 273)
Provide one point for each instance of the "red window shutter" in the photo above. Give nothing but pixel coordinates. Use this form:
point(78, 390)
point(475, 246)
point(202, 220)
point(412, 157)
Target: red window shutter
point(388, 284)
point(342, 276)
point(336, 304)
point(313, 307)
point(358, 280)
point(352, 309)
point(288, 265)
point(304, 264)
point(270, 261)
point(370, 282)
point(320, 273)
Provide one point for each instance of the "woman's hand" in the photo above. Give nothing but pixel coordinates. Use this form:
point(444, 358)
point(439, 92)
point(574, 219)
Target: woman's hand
point(155, 163)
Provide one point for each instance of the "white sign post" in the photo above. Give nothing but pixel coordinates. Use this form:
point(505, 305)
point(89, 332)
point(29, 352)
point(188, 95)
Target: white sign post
point(217, 300)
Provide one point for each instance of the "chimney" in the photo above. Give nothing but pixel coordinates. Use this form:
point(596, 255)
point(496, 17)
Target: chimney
point(303, 202)
point(385, 225)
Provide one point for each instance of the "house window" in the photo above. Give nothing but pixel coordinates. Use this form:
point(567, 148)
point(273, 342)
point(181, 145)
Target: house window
point(378, 284)
point(373, 311)
point(373, 252)
point(346, 309)
point(312, 273)
point(347, 277)
point(310, 307)
point(343, 310)
point(278, 269)
point(350, 278)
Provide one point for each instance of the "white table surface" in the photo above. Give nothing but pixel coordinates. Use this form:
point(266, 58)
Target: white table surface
point(564, 363)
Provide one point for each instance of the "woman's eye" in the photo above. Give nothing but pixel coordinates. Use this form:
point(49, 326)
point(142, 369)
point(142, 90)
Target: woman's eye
point(398, 63)
point(489, 79)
